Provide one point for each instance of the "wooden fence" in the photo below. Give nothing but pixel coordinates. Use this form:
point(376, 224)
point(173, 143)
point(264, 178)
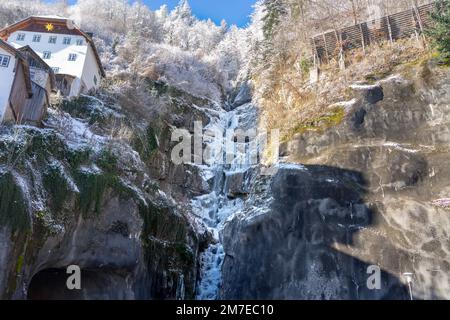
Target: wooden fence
point(397, 26)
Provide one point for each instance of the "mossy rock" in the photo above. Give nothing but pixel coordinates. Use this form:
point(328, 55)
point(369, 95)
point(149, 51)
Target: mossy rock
point(56, 185)
point(108, 161)
point(146, 143)
point(13, 210)
point(92, 187)
point(320, 124)
point(42, 145)
point(20, 262)
point(439, 59)
point(163, 223)
point(166, 246)
point(31, 143)
point(78, 157)
point(83, 107)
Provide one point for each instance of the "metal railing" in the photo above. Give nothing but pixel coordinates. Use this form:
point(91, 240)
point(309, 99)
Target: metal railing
point(405, 24)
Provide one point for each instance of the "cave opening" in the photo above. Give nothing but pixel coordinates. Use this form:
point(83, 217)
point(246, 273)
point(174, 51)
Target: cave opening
point(99, 284)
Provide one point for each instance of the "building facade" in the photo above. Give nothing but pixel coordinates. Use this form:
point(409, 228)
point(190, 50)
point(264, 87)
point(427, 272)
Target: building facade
point(68, 50)
point(15, 83)
point(43, 83)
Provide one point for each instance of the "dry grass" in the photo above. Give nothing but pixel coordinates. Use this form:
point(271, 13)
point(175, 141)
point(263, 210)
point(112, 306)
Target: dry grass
point(289, 101)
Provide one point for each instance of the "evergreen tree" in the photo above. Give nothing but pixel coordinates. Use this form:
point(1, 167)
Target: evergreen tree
point(440, 31)
point(183, 12)
point(274, 11)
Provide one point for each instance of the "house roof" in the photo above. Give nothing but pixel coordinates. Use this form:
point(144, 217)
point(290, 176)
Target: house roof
point(9, 48)
point(19, 56)
point(61, 25)
point(27, 49)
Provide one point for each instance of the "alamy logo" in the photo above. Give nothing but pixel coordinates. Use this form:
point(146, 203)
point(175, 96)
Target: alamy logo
point(374, 280)
point(74, 280)
point(234, 147)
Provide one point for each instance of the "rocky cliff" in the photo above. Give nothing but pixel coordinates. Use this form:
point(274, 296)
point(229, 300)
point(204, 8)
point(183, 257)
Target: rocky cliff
point(96, 188)
point(365, 185)
point(372, 190)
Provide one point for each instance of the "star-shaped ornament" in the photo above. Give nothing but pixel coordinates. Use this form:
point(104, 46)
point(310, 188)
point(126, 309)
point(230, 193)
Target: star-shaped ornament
point(49, 27)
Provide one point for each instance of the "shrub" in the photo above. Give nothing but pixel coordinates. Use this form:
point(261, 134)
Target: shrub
point(305, 66)
point(439, 32)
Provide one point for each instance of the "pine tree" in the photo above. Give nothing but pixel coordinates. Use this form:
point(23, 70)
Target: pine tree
point(184, 12)
point(274, 11)
point(440, 31)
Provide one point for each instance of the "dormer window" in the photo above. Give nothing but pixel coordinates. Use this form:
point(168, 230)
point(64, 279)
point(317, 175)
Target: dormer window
point(52, 39)
point(36, 38)
point(67, 40)
point(4, 61)
point(47, 55)
point(79, 42)
point(21, 37)
point(72, 57)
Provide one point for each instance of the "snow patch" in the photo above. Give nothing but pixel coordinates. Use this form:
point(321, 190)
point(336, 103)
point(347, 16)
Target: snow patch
point(399, 147)
point(291, 166)
point(92, 169)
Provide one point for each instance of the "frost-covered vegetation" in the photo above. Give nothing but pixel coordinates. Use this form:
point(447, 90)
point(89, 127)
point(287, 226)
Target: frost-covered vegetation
point(194, 55)
point(281, 72)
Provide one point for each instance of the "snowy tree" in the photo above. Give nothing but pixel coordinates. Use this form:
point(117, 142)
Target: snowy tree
point(439, 32)
point(274, 11)
point(135, 42)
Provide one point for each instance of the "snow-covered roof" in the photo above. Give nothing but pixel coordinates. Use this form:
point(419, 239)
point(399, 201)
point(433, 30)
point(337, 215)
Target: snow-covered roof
point(6, 46)
point(49, 17)
point(5, 32)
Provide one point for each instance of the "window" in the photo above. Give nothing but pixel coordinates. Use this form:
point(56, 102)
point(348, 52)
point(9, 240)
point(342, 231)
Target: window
point(67, 40)
point(55, 70)
point(36, 38)
point(4, 61)
point(47, 55)
point(79, 42)
point(21, 37)
point(52, 39)
point(72, 57)
point(32, 63)
point(95, 80)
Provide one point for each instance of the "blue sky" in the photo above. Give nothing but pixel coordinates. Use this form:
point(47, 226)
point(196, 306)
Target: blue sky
point(233, 11)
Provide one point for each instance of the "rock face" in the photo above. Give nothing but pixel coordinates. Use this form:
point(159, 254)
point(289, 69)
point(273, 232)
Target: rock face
point(371, 192)
point(241, 96)
point(69, 196)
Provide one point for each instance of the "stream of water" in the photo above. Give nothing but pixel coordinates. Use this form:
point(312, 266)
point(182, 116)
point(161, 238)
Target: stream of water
point(216, 208)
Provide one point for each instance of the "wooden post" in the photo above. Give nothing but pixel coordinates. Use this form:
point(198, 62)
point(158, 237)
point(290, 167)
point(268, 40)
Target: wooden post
point(314, 73)
point(338, 40)
point(326, 47)
point(414, 22)
point(362, 38)
point(419, 20)
point(389, 29)
point(315, 51)
point(341, 60)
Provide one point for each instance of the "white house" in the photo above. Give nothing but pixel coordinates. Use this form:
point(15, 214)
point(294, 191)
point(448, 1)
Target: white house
point(15, 83)
point(40, 72)
point(7, 75)
point(69, 51)
point(43, 83)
